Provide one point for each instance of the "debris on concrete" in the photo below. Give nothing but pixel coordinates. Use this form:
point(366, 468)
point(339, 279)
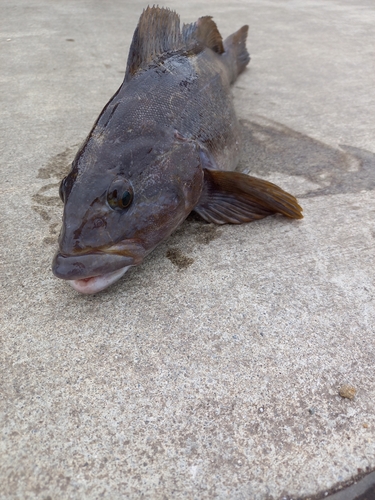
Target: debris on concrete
point(347, 391)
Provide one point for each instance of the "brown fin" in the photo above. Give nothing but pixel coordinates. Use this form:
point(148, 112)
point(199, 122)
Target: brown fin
point(236, 55)
point(158, 31)
point(232, 197)
point(203, 33)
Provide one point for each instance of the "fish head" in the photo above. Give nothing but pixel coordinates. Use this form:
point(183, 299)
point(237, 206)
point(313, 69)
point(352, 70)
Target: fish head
point(120, 203)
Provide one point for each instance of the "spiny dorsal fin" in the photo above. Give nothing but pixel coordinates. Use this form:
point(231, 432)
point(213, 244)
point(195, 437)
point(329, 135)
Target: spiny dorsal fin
point(204, 33)
point(158, 31)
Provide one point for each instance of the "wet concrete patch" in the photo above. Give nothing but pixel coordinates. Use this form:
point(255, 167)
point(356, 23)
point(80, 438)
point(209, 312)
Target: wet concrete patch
point(59, 165)
point(46, 201)
point(178, 258)
point(197, 230)
point(205, 233)
point(270, 147)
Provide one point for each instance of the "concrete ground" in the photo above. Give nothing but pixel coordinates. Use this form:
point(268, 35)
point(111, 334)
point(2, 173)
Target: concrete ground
point(214, 372)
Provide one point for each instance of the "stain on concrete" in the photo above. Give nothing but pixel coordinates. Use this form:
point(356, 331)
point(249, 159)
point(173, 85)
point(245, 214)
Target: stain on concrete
point(42, 212)
point(50, 240)
point(47, 203)
point(197, 230)
point(59, 165)
point(45, 200)
point(270, 147)
point(205, 233)
point(178, 258)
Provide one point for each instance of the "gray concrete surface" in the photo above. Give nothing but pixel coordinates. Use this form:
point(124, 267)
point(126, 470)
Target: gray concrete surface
point(219, 379)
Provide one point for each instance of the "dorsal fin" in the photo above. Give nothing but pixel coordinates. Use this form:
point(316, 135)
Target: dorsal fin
point(158, 31)
point(203, 33)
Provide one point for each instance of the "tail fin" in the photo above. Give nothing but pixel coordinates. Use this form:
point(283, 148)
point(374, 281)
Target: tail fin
point(236, 55)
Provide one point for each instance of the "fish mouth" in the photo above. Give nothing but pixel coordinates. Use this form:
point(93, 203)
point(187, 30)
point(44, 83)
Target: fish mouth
point(96, 284)
point(94, 270)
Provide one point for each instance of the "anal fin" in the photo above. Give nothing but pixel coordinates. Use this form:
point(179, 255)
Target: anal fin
point(234, 198)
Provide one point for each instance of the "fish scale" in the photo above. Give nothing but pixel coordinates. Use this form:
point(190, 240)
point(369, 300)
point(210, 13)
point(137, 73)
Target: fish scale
point(200, 96)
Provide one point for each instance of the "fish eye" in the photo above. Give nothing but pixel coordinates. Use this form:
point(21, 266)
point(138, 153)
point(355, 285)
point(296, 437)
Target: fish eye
point(120, 195)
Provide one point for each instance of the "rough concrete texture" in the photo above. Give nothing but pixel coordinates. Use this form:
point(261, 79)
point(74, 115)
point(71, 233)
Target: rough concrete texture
point(212, 370)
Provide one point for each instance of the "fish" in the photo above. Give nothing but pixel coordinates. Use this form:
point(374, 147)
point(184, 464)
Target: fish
point(165, 145)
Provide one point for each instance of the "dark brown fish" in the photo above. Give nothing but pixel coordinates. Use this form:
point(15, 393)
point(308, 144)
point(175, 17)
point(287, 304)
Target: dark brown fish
point(166, 143)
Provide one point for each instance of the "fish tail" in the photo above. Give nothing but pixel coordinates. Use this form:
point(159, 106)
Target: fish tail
point(235, 54)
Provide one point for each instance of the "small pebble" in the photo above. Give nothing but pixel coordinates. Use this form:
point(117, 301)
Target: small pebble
point(347, 391)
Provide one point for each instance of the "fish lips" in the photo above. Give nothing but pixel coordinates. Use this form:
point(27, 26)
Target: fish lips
point(97, 262)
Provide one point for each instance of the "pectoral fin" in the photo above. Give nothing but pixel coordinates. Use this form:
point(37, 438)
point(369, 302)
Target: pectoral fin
point(232, 197)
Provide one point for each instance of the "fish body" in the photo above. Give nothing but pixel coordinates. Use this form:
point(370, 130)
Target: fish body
point(166, 143)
